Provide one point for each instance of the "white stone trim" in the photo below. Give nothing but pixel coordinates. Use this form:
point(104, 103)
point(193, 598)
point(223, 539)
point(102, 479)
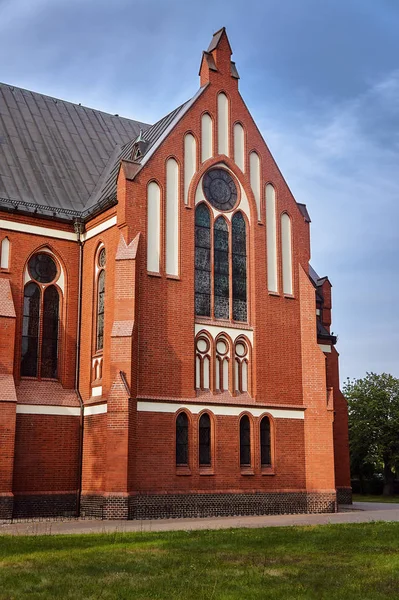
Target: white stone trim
point(41, 409)
point(37, 230)
point(97, 409)
point(56, 233)
point(97, 390)
point(171, 126)
point(221, 410)
point(325, 348)
point(233, 332)
point(99, 228)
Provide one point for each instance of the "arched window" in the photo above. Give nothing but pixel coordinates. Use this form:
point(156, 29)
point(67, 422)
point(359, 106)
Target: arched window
point(202, 363)
point(40, 323)
point(245, 441)
point(228, 245)
point(222, 364)
point(241, 360)
point(286, 254)
point(182, 439)
point(4, 253)
point(50, 332)
point(239, 246)
point(221, 269)
point(30, 330)
point(202, 261)
point(101, 260)
point(265, 446)
point(205, 440)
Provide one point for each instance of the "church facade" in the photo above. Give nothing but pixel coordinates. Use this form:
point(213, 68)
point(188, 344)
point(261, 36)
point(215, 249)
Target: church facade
point(165, 346)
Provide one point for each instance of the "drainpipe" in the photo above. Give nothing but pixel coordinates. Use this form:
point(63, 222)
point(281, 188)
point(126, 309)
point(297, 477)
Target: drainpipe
point(79, 227)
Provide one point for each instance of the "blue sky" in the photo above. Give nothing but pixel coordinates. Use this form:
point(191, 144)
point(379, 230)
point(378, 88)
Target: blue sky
point(321, 79)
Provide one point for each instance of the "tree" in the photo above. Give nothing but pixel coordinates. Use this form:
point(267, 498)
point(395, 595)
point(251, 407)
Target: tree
point(373, 406)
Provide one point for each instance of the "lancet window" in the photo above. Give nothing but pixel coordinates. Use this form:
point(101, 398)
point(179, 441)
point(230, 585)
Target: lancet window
point(221, 283)
point(40, 322)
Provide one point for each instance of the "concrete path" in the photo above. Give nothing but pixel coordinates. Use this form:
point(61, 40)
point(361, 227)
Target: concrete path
point(359, 512)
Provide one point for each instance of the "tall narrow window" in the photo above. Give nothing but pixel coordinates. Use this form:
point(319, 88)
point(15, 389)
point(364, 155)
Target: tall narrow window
point(222, 364)
point(202, 261)
point(40, 323)
point(265, 447)
point(239, 245)
point(50, 333)
point(182, 439)
point(30, 330)
point(286, 254)
point(241, 366)
point(245, 441)
point(100, 311)
point(221, 269)
point(205, 441)
point(4, 253)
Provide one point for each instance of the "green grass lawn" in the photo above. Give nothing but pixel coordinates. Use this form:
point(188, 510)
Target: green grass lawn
point(369, 498)
point(356, 561)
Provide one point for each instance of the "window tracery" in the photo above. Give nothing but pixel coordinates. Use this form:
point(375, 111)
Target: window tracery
point(221, 285)
point(40, 321)
point(101, 262)
point(222, 364)
point(241, 360)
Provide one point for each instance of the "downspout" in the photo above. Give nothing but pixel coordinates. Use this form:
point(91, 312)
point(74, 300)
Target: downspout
point(78, 227)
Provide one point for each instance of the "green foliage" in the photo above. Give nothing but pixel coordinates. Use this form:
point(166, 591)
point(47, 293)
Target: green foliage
point(356, 561)
point(373, 405)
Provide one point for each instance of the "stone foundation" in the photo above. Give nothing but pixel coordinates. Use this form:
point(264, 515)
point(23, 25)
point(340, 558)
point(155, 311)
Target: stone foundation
point(344, 495)
point(104, 507)
point(168, 506)
point(45, 506)
point(6, 506)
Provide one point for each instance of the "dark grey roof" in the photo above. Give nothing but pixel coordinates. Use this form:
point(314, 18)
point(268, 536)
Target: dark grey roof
point(150, 136)
point(55, 154)
point(216, 39)
point(318, 281)
point(323, 333)
point(304, 211)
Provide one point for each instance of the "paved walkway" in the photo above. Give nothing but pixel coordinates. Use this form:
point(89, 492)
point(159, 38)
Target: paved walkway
point(359, 512)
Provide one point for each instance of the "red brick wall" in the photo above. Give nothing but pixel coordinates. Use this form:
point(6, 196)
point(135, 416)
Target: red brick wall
point(155, 462)
point(23, 245)
point(341, 434)
point(46, 454)
point(7, 440)
point(95, 453)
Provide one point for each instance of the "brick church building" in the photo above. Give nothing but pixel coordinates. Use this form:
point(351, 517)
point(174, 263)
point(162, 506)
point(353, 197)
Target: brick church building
point(165, 346)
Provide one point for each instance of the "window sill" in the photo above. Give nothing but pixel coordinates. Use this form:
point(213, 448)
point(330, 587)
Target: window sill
point(289, 296)
point(274, 294)
point(267, 471)
point(173, 277)
point(247, 471)
point(206, 471)
point(183, 471)
point(153, 274)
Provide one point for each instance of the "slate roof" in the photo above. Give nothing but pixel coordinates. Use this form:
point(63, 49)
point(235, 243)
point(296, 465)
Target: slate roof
point(149, 136)
point(54, 154)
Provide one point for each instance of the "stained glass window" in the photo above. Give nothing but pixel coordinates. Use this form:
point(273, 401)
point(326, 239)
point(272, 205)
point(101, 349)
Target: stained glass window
point(221, 269)
point(202, 261)
point(205, 440)
point(239, 246)
point(30, 330)
point(220, 189)
point(265, 442)
point(245, 441)
point(49, 354)
point(100, 310)
point(182, 439)
point(42, 268)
